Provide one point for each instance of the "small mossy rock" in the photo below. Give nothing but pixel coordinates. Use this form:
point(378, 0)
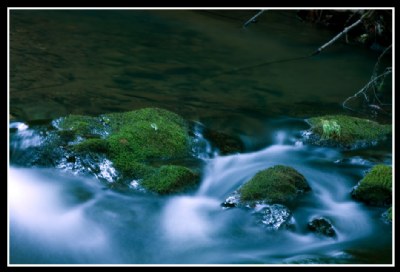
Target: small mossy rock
point(225, 143)
point(277, 184)
point(321, 226)
point(376, 187)
point(170, 179)
point(345, 132)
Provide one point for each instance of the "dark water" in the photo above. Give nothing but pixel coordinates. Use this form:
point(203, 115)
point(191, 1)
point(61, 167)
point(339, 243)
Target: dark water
point(87, 62)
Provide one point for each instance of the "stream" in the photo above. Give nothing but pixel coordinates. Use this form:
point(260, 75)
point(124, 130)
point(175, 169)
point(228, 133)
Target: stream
point(93, 62)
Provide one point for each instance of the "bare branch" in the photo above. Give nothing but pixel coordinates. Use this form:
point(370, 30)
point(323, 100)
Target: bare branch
point(253, 19)
point(338, 36)
point(374, 72)
point(365, 88)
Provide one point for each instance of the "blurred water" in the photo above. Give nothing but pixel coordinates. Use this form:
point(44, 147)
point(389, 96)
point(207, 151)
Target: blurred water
point(56, 217)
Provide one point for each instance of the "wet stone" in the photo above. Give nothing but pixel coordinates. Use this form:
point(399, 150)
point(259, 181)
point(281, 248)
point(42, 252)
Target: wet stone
point(274, 217)
point(321, 226)
point(231, 201)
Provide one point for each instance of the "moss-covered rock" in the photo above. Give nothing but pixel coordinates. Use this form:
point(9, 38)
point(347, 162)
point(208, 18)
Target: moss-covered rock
point(80, 125)
point(345, 131)
point(170, 179)
point(376, 187)
point(133, 141)
point(92, 145)
point(139, 136)
point(278, 184)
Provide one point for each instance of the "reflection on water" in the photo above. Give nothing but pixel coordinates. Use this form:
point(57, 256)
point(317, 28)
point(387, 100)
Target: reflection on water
point(92, 62)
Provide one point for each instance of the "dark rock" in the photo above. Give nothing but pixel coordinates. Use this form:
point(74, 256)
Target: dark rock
point(226, 144)
point(321, 226)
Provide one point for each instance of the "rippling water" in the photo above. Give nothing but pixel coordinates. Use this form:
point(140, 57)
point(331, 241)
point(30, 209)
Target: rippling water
point(58, 217)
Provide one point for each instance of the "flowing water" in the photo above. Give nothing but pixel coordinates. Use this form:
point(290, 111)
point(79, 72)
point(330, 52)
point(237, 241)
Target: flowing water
point(190, 62)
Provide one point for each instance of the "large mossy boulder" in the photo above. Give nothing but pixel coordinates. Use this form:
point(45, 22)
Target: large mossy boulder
point(146, 135)
point(277, 184)
point(170, 179)
point(345, 132)
point(139, 143)
point(376, 187)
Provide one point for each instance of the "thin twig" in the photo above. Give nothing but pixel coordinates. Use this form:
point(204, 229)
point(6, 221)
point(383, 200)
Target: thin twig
point(345, 30)
point(379, 60)
point(253, 19)
point(375, 71)
point(362, 91)
point(374, 91)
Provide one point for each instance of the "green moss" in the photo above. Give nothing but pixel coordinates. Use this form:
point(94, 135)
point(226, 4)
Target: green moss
point(389, 214)
point(330, 129)
point(170, 179)
point(133, 139)
point(92, 145)
point(376, 187)
point(84, 126)
point(152, 115)
point(66, 135)
point(276, 184)
point(347, 129)
point(146, 134)
point(133, 169)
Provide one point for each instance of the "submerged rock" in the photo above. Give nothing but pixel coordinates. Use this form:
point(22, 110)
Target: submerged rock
point(226, 144)
point(277, 184)
point(274, 217)
point(321, 226)
point(376, 187)
point(345, 132)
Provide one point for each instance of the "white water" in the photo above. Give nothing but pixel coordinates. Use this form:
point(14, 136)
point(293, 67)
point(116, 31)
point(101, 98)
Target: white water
point(61, 218)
